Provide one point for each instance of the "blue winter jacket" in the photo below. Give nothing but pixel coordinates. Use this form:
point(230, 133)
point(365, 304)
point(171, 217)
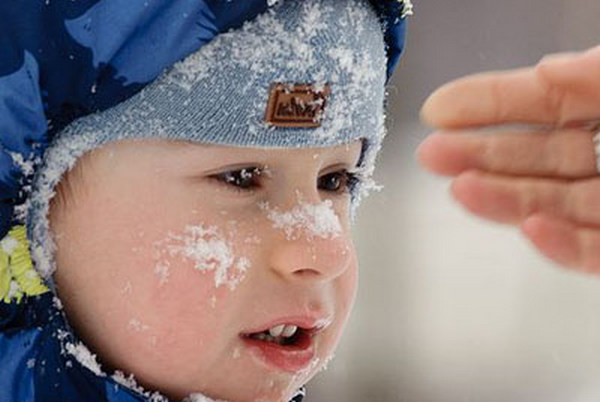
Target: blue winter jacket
point(59, 60)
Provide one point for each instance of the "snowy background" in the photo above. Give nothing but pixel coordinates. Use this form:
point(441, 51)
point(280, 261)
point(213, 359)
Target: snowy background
point(452, 308)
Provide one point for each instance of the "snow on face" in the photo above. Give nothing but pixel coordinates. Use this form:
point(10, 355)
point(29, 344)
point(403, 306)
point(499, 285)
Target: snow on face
point(162, 311)
point(161, 269)
point(315, 220)
point(137, 325)
point(207, 247)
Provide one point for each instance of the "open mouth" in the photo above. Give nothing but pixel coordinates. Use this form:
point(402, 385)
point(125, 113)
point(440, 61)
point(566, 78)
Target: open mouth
point(288, 344)
point(287, 336)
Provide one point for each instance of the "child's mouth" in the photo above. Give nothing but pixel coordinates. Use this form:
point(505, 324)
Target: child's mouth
point(287, 347)
point(283, 335)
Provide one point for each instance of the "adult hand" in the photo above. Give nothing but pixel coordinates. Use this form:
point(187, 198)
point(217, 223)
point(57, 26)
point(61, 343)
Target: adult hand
point(542, 176)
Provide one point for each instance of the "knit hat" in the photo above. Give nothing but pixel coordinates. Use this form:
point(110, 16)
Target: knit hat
point(307, 73)
point(69, 60)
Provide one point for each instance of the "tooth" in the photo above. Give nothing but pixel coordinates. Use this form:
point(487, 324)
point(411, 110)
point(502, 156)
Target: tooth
point(261, 336)
point(289, 330)
point(276, 331)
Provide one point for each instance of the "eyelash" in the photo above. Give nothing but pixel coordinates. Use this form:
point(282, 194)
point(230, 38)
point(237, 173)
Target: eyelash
point(231, 180)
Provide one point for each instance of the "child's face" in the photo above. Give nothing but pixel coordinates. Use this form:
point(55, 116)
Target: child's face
point(149, 229)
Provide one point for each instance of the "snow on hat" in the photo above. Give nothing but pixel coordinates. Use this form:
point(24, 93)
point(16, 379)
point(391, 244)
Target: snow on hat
point(307, 73)
point(65, 61)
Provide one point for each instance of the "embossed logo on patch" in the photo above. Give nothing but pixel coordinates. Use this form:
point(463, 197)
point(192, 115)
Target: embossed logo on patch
point(296, 105)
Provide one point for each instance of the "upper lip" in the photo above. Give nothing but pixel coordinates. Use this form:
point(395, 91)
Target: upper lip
point(311, 323)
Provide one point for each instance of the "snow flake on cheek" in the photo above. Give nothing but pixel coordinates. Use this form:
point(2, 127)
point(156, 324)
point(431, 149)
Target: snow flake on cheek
point(254, 240)
point(161, 269)
point(315, 220)
point(208, 249)
point(127, 288)
point(137, 325)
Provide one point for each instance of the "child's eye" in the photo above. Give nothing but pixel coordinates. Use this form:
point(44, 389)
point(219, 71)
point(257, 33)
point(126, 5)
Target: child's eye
point(240, 180)
point(338, 182)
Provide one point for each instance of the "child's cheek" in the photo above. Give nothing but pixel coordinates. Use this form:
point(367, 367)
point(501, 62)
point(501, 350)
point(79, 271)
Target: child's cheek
point(169, 328)
point(209, 250)
point(181, 295)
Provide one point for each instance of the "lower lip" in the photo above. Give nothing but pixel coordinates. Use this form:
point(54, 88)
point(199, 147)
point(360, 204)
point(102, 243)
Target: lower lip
point(286, 358)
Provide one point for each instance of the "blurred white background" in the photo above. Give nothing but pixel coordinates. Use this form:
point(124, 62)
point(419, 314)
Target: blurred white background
point(452, 308)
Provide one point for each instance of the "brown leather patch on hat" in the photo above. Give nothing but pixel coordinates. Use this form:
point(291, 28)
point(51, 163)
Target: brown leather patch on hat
point(296, 105)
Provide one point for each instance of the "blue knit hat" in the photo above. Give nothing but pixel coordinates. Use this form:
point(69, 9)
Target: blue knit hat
point(64, 61)
point(220, 94)
point(306, 73)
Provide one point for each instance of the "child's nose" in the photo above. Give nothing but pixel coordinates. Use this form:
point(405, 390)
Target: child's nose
point(308, 251)
point(308, 258)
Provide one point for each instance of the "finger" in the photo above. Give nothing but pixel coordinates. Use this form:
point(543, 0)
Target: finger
point(511, 200)
point(564, 242)
point(567, 153)
point(489, 98)
point(556, 91)
point(575, 70)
